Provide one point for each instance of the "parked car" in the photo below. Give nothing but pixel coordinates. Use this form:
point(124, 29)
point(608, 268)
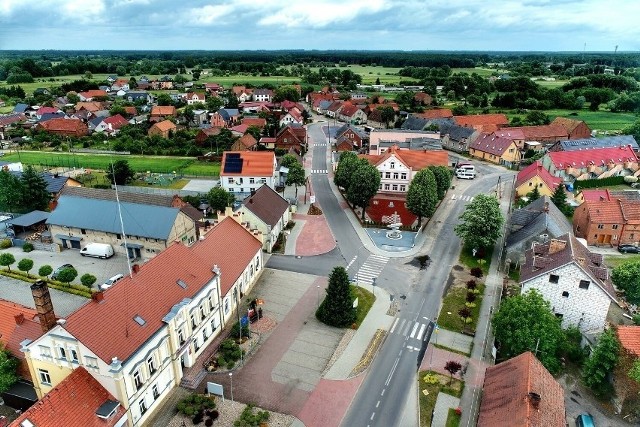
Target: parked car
point(57, 271)
point(584, 420)
point(97, 250)
point(111, 281)
point(629, 249)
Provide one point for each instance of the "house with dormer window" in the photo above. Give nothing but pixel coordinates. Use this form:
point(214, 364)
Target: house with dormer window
point(136, 338)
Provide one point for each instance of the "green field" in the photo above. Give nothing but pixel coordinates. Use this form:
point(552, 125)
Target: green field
point(551, 85)
point(597, 120)
point(484, 72)
point(181, 165)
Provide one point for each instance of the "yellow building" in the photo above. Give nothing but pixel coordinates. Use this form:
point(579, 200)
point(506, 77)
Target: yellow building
point(495, 149)
point(534, 176)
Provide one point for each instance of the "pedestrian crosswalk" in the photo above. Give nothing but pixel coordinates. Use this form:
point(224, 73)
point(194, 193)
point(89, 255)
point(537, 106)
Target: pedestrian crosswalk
point(371, 269)
point(462, 198)
point(410, 328)
point(318, 171)
point(321, 144)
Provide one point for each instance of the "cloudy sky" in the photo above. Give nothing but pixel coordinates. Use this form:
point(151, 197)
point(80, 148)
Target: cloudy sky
point(531, 25)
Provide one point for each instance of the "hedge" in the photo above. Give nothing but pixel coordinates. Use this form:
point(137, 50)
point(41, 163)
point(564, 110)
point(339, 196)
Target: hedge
point(596, 183)
point(71, 289)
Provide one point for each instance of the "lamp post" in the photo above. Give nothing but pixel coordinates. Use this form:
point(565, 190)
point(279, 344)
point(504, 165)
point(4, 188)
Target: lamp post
point(318, 289)
point(373, 283)
point(231, 378)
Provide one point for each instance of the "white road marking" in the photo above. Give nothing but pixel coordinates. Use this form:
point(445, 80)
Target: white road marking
point(383, 390)
point(394, 324)
point(406, 329)
point(415, 328)
point(373, 415)
point(402, 324)
point(422, 328)
point(453, 197)
point(378, 404)
point(393, 370)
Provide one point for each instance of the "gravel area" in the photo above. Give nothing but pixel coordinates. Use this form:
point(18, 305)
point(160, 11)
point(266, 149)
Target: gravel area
point(229, 412)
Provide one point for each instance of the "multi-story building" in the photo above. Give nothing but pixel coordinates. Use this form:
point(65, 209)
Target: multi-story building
point(136, 338)
point(246, 171)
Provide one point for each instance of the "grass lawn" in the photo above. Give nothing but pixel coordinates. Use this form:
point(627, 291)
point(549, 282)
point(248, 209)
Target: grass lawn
point(453, 419)
point(365, 301)
point(468, 260)
point(551, 84)
point(453, 301)
point(228, 81)
point(613, 261)
point(484, 72)
point(57, 81)
point(186, 165)
point(597, 120)
point(428, 399)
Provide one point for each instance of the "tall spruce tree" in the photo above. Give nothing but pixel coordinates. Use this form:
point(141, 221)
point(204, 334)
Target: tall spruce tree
point(337, 307)
point(34, 194)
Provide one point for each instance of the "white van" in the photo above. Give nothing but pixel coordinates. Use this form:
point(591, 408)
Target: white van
point(97, 250)
point(465, 171)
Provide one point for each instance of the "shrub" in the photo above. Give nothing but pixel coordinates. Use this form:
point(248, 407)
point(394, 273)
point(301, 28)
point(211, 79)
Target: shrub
point(208, 422)
point(636, 319)
point(45, 270)
point(472, 284)
point(194, 406)
point(27, 247)
point(5, 244)
point(235, 331)
point(431, 379)
point(476, 272)
point(88, 280)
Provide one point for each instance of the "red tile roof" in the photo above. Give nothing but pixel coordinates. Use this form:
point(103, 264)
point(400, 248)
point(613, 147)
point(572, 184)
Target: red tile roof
point(64, 125)
point(568, 124)
point(18, 323)
point(481, 120)
point(542, 132)
point(536, 169)
point(492, 144)
point(94, 93)
point(165, 125)
point(241, 129)
point(436, 113)
point(254, 163)
point(348, 109)
point(254, 121)
point(47, 110)
point(604, 211)
point(72, 403)
point(116, 121)
point(597, 156)
point(629, 337)
point(509, 391)
point(414, 159)
point(510, 133)
point(92, 106)
point(248, 140)
point(163, 110)
point(297, 116)
point(131, 110)
point(108, 327)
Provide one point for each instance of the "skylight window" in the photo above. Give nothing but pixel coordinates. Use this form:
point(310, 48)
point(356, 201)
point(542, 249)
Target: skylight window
point(139, 320)
point(181, 283)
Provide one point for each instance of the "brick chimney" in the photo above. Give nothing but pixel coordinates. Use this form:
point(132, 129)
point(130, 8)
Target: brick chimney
point(44, 307)
point(19, 318)
point(97, 296)
point(556, 246)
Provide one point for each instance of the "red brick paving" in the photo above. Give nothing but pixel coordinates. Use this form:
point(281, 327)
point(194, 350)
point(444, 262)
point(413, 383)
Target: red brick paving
point(253, 383)
point(329, 402)
point(475, 368)
point(316, 237)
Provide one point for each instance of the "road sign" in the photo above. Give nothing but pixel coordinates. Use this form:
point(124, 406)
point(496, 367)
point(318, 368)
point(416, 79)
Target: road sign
point(244, 321)
point(312, 199)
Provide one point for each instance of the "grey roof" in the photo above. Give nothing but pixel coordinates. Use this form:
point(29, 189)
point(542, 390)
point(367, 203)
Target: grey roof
point(20, 108)
point(415, 144)
point(29, 219)
point(102, 215)
point(360, 132)
point(96, 121)
point(606, 142)
point(414, 123)
point(49, 116)
point(55, 183)
point(323, 105)
point(532, 221)
point(227, 113)
point(267, 205)
point(456, 132)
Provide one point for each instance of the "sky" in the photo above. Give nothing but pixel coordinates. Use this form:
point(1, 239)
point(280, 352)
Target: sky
point(483, 25)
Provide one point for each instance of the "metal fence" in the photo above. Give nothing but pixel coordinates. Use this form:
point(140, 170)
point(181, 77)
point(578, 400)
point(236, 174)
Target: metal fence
point(50, 247)
point(158, 191)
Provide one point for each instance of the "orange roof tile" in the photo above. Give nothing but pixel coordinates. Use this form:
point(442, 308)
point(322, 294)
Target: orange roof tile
point(629, 337)
point(436, 113)
point(64, 125)
point(414, 159)
point(94, 93)
point(509, 391)
point(254, 121)
point(92, 106)
point(108, 327)
point(533, 133)
point(492, 144)
point(536, 169)
point(164, 125)
point(604, 211)
point(248, 140)
point(481, 120)
point(163, 110)
point(72, 403)
point(254, 163)
point(18, 323)
point(568, 124)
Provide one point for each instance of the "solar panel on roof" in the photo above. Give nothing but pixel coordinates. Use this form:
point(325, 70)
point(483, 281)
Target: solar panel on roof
point(233, 164)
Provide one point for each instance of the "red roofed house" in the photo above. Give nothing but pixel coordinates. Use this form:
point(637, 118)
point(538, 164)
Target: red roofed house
point(162, 129)
point(258, 122)
point(18, 323)
point(544, 134)
point(436, 113)
point(162, 112)
point(91, 94)
point(137, 337)
point(65, 127)
point(521, 392)
point(534, 176)
point(293, 116)
point(77, 401)
point(608, 218)
point(591, 164)
point(350, 113)
point(292, 137)
point(245, 143)
point(495, 149)
point(213, 88)
point(195, 97)
point(486, 123)
point(576, 129)
point(203, 134)
point(244, 171)
point(112, 124)
point(397, 168)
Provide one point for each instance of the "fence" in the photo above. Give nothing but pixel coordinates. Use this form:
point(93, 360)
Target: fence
point(158, 191)
point(92, 151)
point(49, 247)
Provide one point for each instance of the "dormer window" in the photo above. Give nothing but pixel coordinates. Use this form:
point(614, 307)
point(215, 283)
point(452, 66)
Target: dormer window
point(392, 165)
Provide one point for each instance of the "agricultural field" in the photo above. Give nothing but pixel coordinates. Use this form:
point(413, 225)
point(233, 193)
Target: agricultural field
point(228, 81)
point(181, 165)
point(602, 120)
point(46, 82)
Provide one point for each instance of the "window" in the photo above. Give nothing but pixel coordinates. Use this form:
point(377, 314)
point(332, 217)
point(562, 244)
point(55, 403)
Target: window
point(45, 351)
point(62, 352)
point(600, 226)
point(83, 231)
point(202, 313)
point(386, 186)
point(180, 336)
point(395, 175)
point(530, 184)
point(193, 322)
point(210, 304)
point(565, 294)
point(137, 380)
point(403, 176)
point(392, 165)
point(584, 284)
point(226, 305)
point(91, 362)
point(154, 390)
point(204, 335)
point(143, 407)
point(151, 364)
point(387, 175)
point(395, 187)
point(74, 356)
point(263, 180)
point(554, 278)
point(213, 325)
point(252, 181)
point(118, 236)
point(403, 188)
point(45, 378)
point(614, 226)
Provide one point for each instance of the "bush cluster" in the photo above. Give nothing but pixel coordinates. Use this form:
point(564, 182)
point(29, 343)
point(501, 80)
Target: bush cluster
point(230, 353)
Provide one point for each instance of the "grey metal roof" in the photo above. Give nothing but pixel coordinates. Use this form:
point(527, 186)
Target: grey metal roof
point(606, 142)
point(55, 183)
point(455, 132)
point(532, 221)
point(20, 108)
point(29, 219)
point(414, 123)
point(102, 215)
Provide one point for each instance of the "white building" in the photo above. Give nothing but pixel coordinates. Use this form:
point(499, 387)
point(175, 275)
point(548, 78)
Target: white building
point(266, 211)
point(246, 171)
point(136, 337)
point(572, 279)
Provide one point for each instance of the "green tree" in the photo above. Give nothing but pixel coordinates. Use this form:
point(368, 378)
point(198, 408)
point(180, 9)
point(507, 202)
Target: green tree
point(289, 160)
point(526, 323)
point(164, 99)
point(188, 114)
point(67, 275)
point(8, 369)
point(6, 259)
point(120, 172)
point(45, 271)
point(363, 185)
point(387, 114)
point(296, 176)
point(337, 307)
point(422, 196)
point(34, 194)
point(88, 280)
point(533, 195)
point(254, 131)
point(286, 93)
point(214, 103)
point(481, 222)
point(559, 198)
point(625, 276)
point(634, 373)
point(601, 362)
point(10, 191)
point(443, 179)
point(346, 165)
point(180, 79)
point(25, 264)
point(219, 199)
point(535, 118)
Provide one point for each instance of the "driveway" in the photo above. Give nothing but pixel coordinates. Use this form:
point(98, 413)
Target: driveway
point(19, 292)
point(101, 268)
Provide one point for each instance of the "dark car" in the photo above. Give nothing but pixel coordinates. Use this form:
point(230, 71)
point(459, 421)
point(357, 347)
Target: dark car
point(57, 271)
point(629, 249)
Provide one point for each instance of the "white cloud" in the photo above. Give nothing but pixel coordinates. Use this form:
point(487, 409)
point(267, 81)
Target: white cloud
point(206, 15)
point(322, 13)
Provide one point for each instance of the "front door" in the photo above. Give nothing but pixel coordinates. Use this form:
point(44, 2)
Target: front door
point(75, 244)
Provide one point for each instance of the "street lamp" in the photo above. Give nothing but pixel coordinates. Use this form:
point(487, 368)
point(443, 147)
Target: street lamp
point(231, 377)
point(318, 289)
point(373, 283)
